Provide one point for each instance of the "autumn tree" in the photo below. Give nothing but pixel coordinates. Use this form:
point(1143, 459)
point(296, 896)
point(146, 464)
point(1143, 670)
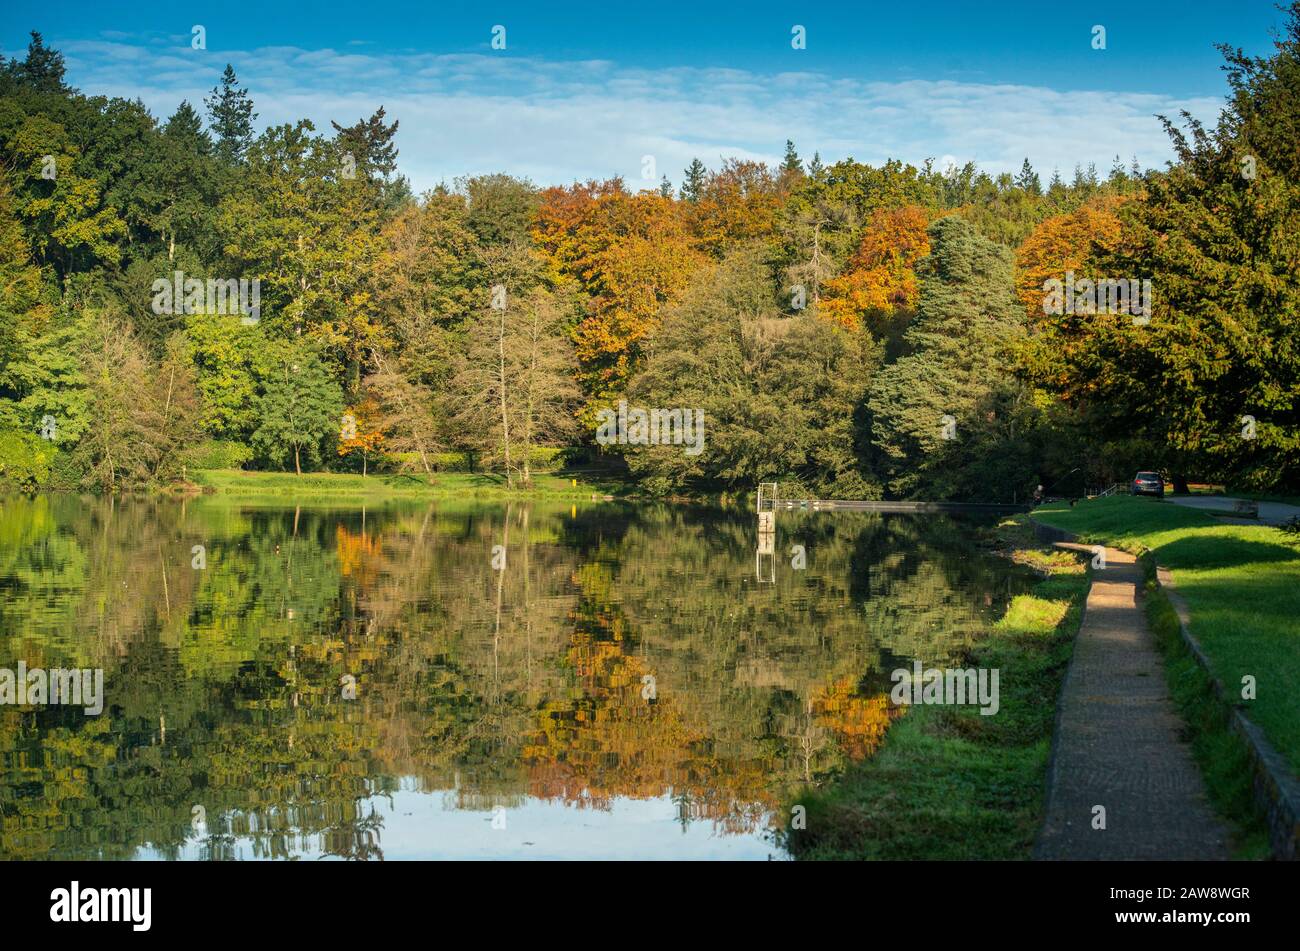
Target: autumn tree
point(362, 431)
point(1064, 243)
point(736, 204)
point(630, 255)
point(141, 416)
point(406, 410)
point(515, 385)
point(880, 278)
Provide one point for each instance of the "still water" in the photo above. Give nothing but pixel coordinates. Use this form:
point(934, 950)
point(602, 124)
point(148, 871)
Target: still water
point(456, 679)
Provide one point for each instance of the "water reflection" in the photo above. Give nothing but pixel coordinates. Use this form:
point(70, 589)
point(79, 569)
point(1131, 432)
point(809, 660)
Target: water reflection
point(456, 680)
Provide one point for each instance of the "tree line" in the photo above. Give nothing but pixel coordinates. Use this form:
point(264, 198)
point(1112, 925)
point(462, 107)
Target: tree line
point(857, 330)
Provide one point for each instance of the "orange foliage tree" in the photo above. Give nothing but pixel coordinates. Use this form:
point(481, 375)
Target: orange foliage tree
point(354, 434)
point(1063, 243)
point(880, 277)
point(630, 254)
point(740, 203)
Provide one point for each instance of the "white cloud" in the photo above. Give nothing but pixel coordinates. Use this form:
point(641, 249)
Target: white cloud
point(557, 121)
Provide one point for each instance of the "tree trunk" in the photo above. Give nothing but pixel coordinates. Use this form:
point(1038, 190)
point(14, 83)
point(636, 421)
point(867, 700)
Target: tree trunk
point(501, 388)
point(297, 464)
point(528, 406)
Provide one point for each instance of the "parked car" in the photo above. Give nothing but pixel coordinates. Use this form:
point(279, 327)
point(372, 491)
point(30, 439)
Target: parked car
point(1147, 483)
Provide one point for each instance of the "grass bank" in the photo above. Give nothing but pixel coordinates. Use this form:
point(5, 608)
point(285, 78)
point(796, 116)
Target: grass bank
point(1242, 587)
point(339, 487)
point(949, 783)
point(1220, 753)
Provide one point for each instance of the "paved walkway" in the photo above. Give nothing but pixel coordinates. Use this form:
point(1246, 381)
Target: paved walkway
point(1117, 742)
point(1270, 513)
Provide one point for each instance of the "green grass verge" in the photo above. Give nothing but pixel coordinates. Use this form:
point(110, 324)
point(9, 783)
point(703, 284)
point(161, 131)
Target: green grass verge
point(1220, 752)
point(335, 486)
point(1242, 587)
point(949, 783)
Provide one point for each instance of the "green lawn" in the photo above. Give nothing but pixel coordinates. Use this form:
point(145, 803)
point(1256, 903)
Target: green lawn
point(335, 486)
point(1242, 586)
point(949, 783)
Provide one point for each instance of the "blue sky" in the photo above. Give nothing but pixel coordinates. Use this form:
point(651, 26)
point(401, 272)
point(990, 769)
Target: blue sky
point(593, 89)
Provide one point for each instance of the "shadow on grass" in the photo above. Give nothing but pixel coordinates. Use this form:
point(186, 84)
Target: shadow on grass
point(1217, 550)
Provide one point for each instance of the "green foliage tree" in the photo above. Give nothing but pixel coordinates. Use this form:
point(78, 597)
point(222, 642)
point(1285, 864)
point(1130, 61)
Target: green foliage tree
point(310, 235)
point(499, 208)
point(42, 69)
point(778, 395)
point(1215, 235)
point(230, 112)
point(791, 163)
point(1027, 181)
point(953, 387)
point(371, 145)
point(693, 179)
point(300, 410)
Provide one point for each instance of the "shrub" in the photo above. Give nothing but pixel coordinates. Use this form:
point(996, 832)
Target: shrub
point(217, 454)
point(25, 460)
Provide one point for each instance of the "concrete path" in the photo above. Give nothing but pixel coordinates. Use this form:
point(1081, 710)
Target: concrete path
point(1118, 742)
point(1270, 513)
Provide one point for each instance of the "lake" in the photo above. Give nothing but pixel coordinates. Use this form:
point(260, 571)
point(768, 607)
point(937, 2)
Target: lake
point(458, 679)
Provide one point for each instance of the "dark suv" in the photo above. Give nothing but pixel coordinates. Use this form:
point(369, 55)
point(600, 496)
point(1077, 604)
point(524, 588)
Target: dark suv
point(1147, 483)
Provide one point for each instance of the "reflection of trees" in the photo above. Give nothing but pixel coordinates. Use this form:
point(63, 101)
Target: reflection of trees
point(223, 684)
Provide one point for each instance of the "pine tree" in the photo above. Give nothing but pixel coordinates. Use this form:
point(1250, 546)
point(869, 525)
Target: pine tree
point(370, 143)
point(1027, 181)
point(230, 112)
point(693, 183)
point(1117, 174)
point(1219, 246)
point(957, 367)
point(792, 162)
point(665, 187)
point(815, 167)
point(42, 70)
point(186, 128)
